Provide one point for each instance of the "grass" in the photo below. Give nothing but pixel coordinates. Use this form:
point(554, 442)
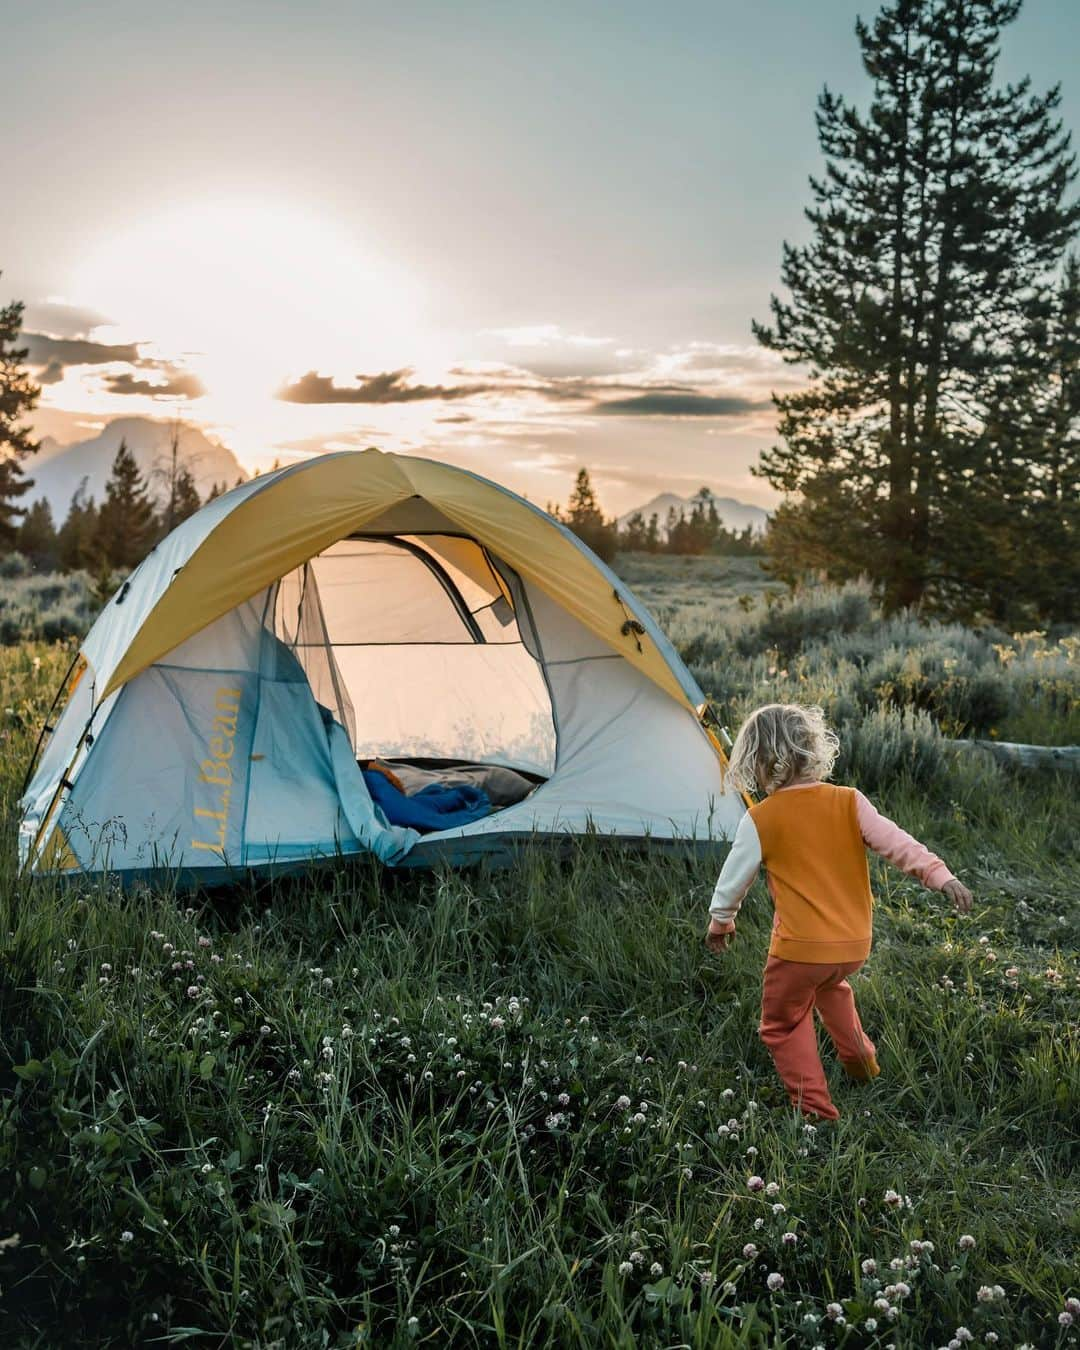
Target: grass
point(522, 1108)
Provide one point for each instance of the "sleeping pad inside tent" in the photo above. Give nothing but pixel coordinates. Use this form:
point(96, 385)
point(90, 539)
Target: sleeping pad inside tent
point(368, 653)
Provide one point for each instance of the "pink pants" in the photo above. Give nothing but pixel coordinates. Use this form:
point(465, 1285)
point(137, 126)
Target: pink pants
point(791, 992)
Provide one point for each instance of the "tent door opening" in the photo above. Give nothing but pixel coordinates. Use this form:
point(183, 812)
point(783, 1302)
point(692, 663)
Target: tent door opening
point(421, 645)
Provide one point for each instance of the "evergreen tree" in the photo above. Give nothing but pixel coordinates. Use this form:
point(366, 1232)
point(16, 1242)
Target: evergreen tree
point(652, 534)
point(127, 526)
point(1025, 496)
point(634, 537)
point(36, 538)
point(936, 231)
point(585, 518)
point(185, 499)
point(18, 396)
point(76, 540)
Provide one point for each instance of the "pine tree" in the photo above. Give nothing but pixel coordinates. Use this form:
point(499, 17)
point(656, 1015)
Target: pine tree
point(634, 537)
point(36, 538)
point(127, 525)
point(76, 540)
point(585, 518)
point(1025, 497)
point(18, 396)
point(185, 498)
point(936, 231)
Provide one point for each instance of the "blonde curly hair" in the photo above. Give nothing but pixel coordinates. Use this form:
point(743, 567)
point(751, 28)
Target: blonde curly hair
point(782, 743)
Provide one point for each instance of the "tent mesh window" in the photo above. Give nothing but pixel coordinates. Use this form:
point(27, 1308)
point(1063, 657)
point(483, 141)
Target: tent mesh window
point(413, 643)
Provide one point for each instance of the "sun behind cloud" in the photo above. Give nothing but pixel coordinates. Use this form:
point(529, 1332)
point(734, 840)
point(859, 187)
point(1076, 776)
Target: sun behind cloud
point(251, 293)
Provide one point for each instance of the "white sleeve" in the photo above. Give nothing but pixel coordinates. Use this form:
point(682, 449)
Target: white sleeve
point(738, 873)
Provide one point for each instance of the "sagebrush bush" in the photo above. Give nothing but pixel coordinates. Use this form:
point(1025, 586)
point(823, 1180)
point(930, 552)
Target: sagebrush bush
point(50, 607)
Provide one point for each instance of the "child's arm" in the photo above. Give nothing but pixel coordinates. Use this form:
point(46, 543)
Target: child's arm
point(893, 844)
point(736, 877)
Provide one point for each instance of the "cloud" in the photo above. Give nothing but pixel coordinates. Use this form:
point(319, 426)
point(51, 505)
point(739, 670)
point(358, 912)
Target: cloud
point(389, 387)
point(60, 319)
point(678, 403)
point(544, 335)
point(177, 384)
point(53, 373)
point(49, 351)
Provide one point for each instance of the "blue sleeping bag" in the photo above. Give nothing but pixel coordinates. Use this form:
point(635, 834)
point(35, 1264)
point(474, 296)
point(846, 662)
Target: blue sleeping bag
point(435, 807)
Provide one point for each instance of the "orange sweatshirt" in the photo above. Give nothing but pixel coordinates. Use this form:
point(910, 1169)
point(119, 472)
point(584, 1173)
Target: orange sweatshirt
point(812, 839)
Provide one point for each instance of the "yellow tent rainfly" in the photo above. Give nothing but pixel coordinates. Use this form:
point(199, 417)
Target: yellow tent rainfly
point(368, 653)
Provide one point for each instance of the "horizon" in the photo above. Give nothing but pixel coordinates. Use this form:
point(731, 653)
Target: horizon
point(536, 243)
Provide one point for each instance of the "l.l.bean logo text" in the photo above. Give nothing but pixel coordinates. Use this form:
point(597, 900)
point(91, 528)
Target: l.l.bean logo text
point(216, 771)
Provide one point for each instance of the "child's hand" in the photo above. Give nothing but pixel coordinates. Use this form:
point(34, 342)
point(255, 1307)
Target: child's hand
point(719, 936)
point(959, 894)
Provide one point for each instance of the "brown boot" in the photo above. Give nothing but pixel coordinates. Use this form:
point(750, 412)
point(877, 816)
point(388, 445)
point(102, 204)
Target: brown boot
point(862, 1070)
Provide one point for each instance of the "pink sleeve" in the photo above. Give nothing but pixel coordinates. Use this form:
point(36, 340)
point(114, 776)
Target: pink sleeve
point(894, 845)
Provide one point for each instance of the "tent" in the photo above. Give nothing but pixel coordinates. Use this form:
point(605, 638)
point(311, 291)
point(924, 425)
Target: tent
point(377, 610)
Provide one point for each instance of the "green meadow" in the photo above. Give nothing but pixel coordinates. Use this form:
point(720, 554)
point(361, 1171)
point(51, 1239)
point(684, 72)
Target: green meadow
point(523, 1108)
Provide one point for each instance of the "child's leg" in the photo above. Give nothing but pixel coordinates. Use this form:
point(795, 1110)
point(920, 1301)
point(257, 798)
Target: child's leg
point(787, 1028)
point(836, 1003)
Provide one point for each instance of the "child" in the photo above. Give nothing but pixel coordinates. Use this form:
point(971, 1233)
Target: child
point(812, 839)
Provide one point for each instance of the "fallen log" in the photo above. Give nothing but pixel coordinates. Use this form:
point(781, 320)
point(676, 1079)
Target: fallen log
point(1064, 758)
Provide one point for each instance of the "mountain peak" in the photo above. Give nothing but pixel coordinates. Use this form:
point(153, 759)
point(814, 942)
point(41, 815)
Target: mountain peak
point(58, 472)
point(734, 515)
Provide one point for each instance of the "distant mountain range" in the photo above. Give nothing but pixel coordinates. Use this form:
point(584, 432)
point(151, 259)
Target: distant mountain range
point(734, 515)
point(58, 470)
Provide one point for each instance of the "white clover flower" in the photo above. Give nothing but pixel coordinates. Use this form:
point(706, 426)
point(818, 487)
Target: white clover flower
point(775, 1281)
point(990, 1337)
point(759, 1224)
point(870, 1324)
point(727, 1095)
point(869, 1266)
point(984, 1294)
point(966, 1243)
point(751, 1152)
point(772, 1189)
point(688, 1173)
point(1066, 1318)
point(963, 1335)
point(127, 1235)
point(790, 1239)
point(622, 1103)
point(778, 1208)
point(749, 1252)
point(755, 1184)
point(656, 1269)
point(638, 1258)
point(833, 1310)
point(881, 1305)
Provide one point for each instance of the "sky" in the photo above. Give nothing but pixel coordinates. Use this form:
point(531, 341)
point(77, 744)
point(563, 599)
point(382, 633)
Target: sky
point(521, 238)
